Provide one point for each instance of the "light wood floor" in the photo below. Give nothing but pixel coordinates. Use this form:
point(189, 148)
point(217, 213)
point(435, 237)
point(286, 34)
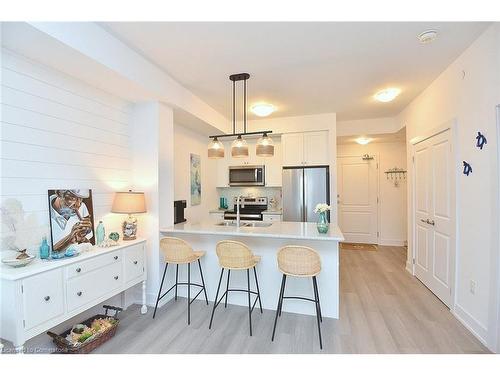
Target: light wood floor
point(383, 309)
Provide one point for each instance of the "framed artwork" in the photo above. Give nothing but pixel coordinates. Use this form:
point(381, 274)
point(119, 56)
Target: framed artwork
point(195, 173)
point(71, 218)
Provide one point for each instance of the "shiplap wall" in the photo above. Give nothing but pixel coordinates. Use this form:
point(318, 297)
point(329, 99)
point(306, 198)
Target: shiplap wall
point(58, 132)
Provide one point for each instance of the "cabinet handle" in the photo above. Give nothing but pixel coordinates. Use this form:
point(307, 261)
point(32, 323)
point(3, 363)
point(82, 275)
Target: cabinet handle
point(116, 277)
point(116, 257)
point(47, 298)
point(78, 269)
point(79, 294)
point(135, 262)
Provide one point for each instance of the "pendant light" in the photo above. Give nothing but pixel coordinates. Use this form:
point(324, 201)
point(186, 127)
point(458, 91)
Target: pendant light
point(265, 146)
point(216, 149)
point(239, 147)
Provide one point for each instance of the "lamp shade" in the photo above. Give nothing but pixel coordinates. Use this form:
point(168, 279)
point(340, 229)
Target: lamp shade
point(215, 149)
point(265, 146)
point(129, 202)
point(239, 148)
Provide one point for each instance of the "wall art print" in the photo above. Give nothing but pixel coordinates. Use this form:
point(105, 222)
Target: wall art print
point(195, 173)
point(71, 218)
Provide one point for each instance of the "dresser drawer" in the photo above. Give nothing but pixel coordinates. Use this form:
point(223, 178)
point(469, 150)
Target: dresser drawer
point(133, 259)
point(83, 267)
point(94, 284)
point(43, 297)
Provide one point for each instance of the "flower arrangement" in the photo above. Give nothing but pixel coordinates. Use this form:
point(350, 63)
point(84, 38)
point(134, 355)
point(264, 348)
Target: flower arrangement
point(322, 207)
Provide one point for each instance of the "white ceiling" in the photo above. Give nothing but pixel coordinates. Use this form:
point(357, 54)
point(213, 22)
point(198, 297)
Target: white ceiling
point(302, 68)
point(399, 136)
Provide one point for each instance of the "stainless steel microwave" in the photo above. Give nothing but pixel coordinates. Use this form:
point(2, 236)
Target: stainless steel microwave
point(247, 175)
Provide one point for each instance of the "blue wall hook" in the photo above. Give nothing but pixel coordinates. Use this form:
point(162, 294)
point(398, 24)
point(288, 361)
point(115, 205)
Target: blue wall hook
point(467, 168)
point(481, 140)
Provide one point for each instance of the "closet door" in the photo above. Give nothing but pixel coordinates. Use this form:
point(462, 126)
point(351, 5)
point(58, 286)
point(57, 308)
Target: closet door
point(434, 214)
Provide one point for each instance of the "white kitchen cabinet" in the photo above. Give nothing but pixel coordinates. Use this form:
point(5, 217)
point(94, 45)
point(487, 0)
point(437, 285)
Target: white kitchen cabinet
point(44, 294)
point(305, 149)
point(217, 215)
point(272, 217)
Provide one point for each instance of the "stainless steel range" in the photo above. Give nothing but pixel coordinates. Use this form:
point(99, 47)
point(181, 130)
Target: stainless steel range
point(250, 209)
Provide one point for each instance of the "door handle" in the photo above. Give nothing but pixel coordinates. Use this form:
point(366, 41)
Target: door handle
point(431, 222)
point(424, 221)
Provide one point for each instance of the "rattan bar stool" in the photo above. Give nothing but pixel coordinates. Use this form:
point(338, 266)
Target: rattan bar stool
point(235, 255)
point(177, 251)
point(299, 261)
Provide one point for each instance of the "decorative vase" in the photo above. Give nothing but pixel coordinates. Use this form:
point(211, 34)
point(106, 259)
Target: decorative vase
point(44, 249)
point(100, 233)
point(322, 223)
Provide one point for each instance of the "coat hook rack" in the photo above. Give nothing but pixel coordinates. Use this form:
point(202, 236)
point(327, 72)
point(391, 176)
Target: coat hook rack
point(367, 157)
point(395, 174)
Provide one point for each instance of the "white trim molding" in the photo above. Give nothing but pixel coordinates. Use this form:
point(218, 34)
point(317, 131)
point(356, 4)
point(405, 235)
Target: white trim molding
point(469, 322)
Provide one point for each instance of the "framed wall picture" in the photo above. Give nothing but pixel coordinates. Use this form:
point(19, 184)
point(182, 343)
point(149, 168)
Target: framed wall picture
point(71, 218)
point(195, 179)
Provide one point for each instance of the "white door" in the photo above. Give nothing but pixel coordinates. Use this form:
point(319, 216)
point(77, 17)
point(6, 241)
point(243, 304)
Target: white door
point(357, 199)
point(434, 214)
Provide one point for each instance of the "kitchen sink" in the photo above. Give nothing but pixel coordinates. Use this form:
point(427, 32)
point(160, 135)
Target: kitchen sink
point(255, 224)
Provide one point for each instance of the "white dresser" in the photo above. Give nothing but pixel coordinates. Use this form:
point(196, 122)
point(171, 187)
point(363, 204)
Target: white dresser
point(45, 293)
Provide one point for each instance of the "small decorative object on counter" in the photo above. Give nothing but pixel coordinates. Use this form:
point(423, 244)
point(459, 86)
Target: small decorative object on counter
point(108, 243)
point(20, 260)
point(71, 251)
point(100, 233)
point(115, 236)
point(322, 224)
point(44, 249)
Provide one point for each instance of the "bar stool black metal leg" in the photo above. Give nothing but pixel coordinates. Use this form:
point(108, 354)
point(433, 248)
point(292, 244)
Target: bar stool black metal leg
point(203, 282)
point(282, 295)
point(280, 298)
point(216, 298)
point(249, 302)
point(189, 293)
point(227, 287)
point(258, 291)
point(316, 297)
point(159, 292)
point(176, 280)
point(315, 282)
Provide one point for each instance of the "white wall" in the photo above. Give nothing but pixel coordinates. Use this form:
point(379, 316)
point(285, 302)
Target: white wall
point(57, 132)
point(187, 142)
point(380, 125)
point(392, 206)
point(468, 91)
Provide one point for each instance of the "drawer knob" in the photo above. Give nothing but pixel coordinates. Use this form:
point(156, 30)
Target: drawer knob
point(116, 257)
point(47, 298)
point(135, 262)
point(116, 277)
point(78, 269)
point(79, 294)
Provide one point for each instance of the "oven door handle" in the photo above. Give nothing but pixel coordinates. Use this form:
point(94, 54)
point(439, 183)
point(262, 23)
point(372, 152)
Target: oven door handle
point(245, 216)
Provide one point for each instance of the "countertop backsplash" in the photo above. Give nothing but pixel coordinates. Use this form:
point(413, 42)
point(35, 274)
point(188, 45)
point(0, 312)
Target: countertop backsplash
point(270, 192)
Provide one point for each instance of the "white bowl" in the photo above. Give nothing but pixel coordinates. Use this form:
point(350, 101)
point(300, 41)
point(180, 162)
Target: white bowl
point(13, 262)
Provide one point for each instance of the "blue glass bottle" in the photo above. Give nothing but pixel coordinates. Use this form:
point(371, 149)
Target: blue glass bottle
point(100, 233)
point(322, 223)
point(44, 249)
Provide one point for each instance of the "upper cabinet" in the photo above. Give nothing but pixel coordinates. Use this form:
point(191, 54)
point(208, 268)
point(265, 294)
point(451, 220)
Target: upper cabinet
point(305, 149)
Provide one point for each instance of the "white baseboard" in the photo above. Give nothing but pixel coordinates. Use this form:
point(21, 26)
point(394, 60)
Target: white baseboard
point(387, 242)
point(475, 327)
point(409, 267)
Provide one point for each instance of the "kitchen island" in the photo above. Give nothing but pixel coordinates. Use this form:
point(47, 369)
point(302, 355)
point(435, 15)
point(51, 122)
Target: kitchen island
point(265, 239)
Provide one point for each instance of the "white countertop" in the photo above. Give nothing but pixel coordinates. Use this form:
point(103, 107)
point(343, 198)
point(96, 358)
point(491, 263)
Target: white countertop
point(282, 229)
point(41, 265)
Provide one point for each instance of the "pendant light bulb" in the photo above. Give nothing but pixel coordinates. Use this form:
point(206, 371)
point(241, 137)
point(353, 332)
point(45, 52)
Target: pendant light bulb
point(265, 146)
point(215, 149)
point(239, 148)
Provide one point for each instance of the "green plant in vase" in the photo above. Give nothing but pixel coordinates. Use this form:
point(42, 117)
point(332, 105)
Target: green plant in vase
point(322, 224)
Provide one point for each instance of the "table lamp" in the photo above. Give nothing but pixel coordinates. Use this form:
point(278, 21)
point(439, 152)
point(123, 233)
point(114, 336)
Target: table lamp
point(129, 202)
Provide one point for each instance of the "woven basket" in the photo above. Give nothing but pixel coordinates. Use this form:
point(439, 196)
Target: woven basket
point(65, 347)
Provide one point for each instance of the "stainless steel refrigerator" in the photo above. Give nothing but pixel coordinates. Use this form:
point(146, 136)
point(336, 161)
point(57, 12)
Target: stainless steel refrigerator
point(303, 189)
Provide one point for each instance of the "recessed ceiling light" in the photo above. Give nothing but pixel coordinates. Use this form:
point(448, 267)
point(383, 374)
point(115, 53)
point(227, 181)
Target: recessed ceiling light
point(262, 109)
point(427, 36)
point(387, 95)
point(363, 141)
